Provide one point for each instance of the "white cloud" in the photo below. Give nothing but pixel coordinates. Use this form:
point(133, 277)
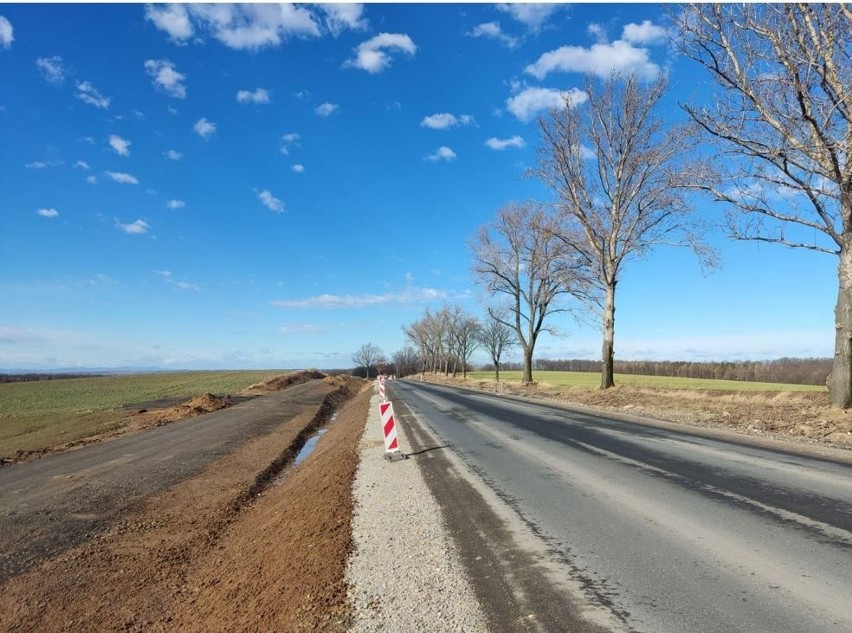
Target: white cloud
point(134, 228)
point(166, 77)
point(120, 145)
point(38, 164)
point(258, 96)
point(204, 128)
point(254, 26)
point(299, 169)
point(176, 204)
point(92, 180)
point(81, 164)
point(270, 202)
point(183, 285)
point(330, 302)
point(339, 17)
point(171, 18)
point(442, 153)
point(48, 213)
point(52, 69)
point(644, 33)
point(164, 273)
point(289, 141)
point(371, 55)
point(531, 102)
point(173, 154)
point(445, 120)
point(87, 93)
point(301, 328)
point(123, 178)
point(326, 109)
point(597, 31)
point(492, 30)
point(600, 59)
point(532, 15)
point(6, 36)
point(501, 144)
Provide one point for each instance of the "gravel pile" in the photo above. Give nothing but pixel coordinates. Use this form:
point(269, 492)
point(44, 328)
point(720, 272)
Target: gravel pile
point(404, 574)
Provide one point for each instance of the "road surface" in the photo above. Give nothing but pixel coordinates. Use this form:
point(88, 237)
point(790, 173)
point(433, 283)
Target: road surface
point(59, 501)
point(661, 530)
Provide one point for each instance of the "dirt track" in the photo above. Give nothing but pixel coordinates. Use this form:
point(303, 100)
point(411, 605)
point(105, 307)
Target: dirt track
point(225, 549)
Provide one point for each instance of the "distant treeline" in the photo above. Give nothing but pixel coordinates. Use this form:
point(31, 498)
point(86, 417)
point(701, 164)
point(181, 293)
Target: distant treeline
point(795, 371)
point(34, 377)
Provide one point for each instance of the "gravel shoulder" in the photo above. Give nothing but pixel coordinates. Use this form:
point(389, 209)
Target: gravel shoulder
point(405, 573)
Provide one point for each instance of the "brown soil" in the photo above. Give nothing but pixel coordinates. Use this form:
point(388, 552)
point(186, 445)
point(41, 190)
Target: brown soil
point(242, 546)
point(282, 382)
point(800, 416)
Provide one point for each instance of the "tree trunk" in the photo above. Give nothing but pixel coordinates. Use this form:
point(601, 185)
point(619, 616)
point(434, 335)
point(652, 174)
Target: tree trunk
point(528, 352)
point(608, 352)
point(840, 380)
point(497, 371)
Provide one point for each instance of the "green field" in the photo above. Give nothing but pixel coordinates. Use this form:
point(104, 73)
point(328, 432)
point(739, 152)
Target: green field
point(593, 379)
point(36, 415)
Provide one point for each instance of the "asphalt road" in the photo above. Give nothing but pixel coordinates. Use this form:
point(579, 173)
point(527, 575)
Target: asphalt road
point(664, 530)
point(59, 501)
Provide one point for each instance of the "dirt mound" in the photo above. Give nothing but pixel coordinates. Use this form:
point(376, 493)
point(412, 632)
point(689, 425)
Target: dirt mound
point(282, 382)
point(206, 403)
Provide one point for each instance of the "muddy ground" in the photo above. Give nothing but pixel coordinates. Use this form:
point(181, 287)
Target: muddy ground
point(792, 416)
point(251, 543)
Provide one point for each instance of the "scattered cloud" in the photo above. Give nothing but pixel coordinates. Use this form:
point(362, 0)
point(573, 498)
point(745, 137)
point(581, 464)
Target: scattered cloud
point(645, 33)
point(299, 169)
point(301, 328)
point(492, 30)
point(237, 26)
point(120, 145)
point(597, 31)
point(92, 180)
point(529, 103)
point(270, 202)
point(173, 154)
point(87, 93)
point(258, 96)
point(134, 228)
point(183, 285)
point(600, 59)
point(176, 204)
point(164, 273)
point(289, 141)
point(204, 128)
point(123, 178)
point(81, 164)
point(166, 77)
point(446, 120)
point(171, 18)
point(6, 33)
point(37, 164)
point(501, 144)
point(372, 56)
point(331, 302)
point(51, 69)
point(48, 213)
point(532, 15)
point(442, 153)
point(327, 109)
point(339, 17)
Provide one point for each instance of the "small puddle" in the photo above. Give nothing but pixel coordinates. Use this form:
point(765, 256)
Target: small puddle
point(306, 451)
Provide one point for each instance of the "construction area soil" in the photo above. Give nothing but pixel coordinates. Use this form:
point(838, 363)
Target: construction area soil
point(252, 542)
point(792, 416)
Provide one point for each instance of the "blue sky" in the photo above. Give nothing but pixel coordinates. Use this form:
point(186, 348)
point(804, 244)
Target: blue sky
point(273, 186)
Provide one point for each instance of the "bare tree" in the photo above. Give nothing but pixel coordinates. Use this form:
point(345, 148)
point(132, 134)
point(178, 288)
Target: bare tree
point(522, 260)
point(406, 361)
point(782, 118)
point(495, 336)
point(368, 356)
point(618, 172)
point(464, 329)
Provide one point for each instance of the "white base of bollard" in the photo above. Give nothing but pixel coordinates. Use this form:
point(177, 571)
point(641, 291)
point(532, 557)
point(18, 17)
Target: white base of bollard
point(396, 456)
